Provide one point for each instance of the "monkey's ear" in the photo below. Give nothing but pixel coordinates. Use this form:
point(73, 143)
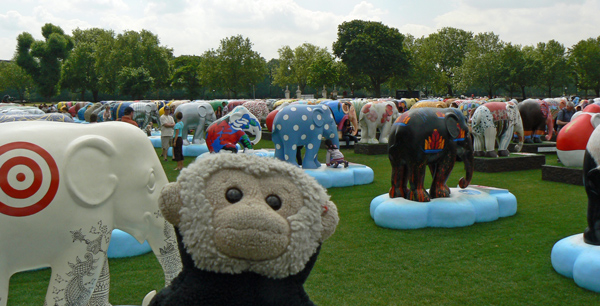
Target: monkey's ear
point(329, 220)
point(169, 203)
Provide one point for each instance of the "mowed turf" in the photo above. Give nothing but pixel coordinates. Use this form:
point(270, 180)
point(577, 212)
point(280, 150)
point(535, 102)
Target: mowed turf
point(504, 262)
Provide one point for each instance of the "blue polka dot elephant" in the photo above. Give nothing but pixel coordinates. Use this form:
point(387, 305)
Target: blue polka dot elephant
point(303, 125)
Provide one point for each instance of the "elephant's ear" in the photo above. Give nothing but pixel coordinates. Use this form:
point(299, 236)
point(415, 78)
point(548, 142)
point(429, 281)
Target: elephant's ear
point(202, 111)
point(595, 120)
point(319, 116)
point(452, 125)
point(148, 108)
point(88, 173)
point(236, 115)
point(345, 107)
point(170, 203)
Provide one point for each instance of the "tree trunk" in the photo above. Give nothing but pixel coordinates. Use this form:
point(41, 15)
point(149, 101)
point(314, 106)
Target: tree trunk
point(82, 95)
point(95, 94)
point(523, 91)
point(449, 86)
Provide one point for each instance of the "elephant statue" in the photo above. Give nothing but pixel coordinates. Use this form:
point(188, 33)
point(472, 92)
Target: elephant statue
point(591, 182)
point(496, 121)
point(58, 117)
point(537, 118)
point(434, 104)
point(303, 125)
point(21, 110)
point(573, 138)
point(65, 187)
point(96, 108)
point(258, 108)
point(343, 111)
point(467, 107)
point(75, 107)
point(197, 116)
point(227, 131)
point(377, 115)
point(81, 111)
point(145, 113)
point(428, 136)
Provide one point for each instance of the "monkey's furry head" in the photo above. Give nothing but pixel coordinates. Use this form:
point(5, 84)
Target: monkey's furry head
point(240, 212)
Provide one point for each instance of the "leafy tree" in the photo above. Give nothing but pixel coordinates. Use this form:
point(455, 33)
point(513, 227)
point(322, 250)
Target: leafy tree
point(373, 49)
point(555, 70)
point(187, 75)
point(13, 77)
point(209, 69)
point(447, 49)
point(323, 71)
point(295, 66)
point(482, 66)
point(585, 58)
point(421, 72)
point(353, 82)
point(519, 68)
point(135, 82)
point(42, 60)
point(83, 69)
point(238, 66)
point(143, 50)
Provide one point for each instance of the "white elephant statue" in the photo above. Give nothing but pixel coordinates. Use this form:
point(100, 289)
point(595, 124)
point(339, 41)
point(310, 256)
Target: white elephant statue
point(197, 116)
point(145, 113)
point(377, 115)
point(63, 189)
point(496, 121)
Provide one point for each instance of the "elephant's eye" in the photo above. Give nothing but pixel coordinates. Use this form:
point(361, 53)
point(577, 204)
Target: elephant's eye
point(151, 181)
point(233, 195)
point(274, 201)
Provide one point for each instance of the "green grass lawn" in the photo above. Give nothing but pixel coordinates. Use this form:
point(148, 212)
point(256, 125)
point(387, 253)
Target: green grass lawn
point(505, 262)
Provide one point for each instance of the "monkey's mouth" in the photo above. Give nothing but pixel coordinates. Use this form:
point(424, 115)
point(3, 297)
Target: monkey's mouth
point(252, 243)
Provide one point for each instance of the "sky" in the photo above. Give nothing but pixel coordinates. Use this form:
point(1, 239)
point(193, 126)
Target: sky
point(191, 27)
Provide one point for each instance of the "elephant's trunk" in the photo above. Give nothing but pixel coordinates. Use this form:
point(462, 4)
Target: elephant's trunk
point(468, 159)
point(549, 126)
point(520, 134)
point(258, 134)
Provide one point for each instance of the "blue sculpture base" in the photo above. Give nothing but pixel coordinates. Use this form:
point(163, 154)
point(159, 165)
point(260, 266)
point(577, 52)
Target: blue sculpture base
point(355, 174)
point(155, 140)
point(573, 258)
point(464, 207)
point(124, 245)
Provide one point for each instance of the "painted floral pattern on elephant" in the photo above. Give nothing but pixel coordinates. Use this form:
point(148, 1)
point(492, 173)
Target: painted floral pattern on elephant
point(435, 143)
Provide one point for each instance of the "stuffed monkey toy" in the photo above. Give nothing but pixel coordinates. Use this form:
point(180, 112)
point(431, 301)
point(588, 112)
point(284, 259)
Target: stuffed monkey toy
point(249, 231)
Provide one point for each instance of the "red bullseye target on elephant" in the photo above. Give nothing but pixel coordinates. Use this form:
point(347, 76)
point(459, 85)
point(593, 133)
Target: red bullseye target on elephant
point(29, 179)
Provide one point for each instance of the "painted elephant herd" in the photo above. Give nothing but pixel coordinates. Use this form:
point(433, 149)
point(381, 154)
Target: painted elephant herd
point(418, 135)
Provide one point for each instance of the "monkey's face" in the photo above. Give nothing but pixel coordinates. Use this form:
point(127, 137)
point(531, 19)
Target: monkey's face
point(250, 216)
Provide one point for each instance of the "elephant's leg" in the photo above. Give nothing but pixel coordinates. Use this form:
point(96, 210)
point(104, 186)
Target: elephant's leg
point(4, 278)
point(399, 182)
point(478, 145)
point(279, 150)
point(440, 171)
point(385, 132)
point(490, 141)
point(74, 278)
point(528, 136)
point(504, 140)
point(372, 138)
point(100, 294)
point(537, 137)
point(417, 182)
point(310, 156)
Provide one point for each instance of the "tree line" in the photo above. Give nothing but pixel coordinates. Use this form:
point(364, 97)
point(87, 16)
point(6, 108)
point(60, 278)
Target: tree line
point(367, 57)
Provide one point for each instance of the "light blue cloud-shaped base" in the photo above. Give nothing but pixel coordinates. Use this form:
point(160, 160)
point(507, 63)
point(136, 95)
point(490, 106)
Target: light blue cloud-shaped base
point(464, 207)
point(573, 258)
point(355, 174)
point(124, 245)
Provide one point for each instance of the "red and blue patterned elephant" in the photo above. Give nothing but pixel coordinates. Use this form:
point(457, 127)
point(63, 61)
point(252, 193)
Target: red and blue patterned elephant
point(227, 131)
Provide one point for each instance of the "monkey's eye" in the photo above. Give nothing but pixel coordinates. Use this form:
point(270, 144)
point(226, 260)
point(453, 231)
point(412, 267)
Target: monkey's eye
point(274, 201)
point(233, 195)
